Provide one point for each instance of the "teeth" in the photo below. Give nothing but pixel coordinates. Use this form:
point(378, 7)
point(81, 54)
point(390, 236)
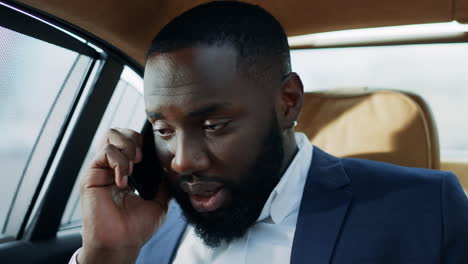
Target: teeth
point(207, 193)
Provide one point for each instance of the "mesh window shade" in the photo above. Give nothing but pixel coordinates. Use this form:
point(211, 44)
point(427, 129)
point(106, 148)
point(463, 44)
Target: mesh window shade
point(33, 76)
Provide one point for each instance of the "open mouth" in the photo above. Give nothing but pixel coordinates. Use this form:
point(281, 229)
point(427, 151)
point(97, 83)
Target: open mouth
point(208, 203)
point(205, 196)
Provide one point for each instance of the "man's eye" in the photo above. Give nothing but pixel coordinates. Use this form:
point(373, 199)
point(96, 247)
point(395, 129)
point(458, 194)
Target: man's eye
point(215, 126)
point(164, 132)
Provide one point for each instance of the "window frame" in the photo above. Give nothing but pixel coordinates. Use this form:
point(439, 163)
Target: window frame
point(37, 215)
point(92, 39)
point(23, 23)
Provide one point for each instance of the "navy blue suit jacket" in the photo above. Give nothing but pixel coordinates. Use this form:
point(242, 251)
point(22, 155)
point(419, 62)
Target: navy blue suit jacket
point(358, 211)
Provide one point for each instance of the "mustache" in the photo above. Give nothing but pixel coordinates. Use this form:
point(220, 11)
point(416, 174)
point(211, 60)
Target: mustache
point(197, 178)
point(199, 184)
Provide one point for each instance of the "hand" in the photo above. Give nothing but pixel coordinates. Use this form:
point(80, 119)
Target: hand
point(116, 223)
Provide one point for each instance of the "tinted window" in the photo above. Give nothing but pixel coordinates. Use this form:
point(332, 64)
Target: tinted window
point(437, 72)
point(38, 84)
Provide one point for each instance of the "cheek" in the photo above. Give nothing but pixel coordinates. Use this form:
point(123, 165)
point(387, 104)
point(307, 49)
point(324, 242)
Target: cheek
point(235, 154)
point(163, 153)
point(165, 158)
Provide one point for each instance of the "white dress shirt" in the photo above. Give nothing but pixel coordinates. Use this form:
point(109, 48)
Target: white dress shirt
point(270, 239)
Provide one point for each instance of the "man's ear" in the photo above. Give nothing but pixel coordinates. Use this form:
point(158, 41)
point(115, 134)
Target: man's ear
point(289, 101)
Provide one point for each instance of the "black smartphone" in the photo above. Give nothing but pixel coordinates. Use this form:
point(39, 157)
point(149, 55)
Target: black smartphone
point(147, 174)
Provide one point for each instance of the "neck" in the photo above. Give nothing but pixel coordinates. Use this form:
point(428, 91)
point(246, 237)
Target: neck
point(290, 149)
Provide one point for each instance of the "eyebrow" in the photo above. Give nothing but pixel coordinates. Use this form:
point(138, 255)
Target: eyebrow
point(154, 115)
point(209, 109)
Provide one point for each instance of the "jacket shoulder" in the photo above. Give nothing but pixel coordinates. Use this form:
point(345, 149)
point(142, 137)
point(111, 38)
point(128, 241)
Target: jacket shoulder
point(380, 174)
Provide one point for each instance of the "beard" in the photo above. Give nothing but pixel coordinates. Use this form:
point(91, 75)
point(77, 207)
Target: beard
point(249, 195)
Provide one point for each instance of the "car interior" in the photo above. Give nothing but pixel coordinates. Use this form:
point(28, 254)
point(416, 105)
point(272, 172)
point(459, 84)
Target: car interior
point(384, 81)
point(383, 125)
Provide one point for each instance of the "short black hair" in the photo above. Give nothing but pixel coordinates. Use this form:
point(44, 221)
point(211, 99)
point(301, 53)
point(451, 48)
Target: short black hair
point(252, 31)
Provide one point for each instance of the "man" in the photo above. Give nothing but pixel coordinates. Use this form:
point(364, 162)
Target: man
point(222, 100)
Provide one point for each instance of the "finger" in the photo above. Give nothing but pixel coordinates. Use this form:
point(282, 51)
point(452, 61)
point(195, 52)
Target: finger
point(132, 135)
point(129, 133)
point(128, 141)
point(116, 165)
point(136, 138)
point(97, 178)
point(123, 142)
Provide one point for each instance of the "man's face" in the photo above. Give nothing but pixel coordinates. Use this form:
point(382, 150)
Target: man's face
point(217, 136)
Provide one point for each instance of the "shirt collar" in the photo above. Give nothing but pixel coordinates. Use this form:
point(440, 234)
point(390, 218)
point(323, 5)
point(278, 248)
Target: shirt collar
point(286, 196)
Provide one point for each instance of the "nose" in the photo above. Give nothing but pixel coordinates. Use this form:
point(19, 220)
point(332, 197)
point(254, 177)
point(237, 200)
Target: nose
point(189, 155)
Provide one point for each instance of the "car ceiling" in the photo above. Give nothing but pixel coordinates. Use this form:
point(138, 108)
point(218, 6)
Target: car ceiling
point(130, 25)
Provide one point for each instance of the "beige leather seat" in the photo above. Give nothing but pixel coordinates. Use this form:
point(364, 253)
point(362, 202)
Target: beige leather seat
point(383, 125)
point(460, 168)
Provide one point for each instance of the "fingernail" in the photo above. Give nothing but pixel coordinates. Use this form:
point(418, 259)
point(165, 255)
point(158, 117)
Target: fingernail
point(130, 168)
point(125, 180)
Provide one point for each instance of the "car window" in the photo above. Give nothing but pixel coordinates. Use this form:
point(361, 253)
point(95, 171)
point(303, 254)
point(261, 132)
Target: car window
point(437, 72)
point(38, 85)
point(125, 110)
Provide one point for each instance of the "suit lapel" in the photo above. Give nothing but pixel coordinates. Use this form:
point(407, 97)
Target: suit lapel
point(162, 247)
point(324, 204)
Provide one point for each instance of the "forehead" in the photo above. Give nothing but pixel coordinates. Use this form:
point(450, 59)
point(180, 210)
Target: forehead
point(194, 76)
point(183, 67)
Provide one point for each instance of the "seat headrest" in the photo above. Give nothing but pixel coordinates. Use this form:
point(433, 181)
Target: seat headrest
point(384, 125)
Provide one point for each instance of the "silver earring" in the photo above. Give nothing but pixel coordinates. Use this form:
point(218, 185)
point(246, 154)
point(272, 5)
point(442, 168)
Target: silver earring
point(295, 124)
